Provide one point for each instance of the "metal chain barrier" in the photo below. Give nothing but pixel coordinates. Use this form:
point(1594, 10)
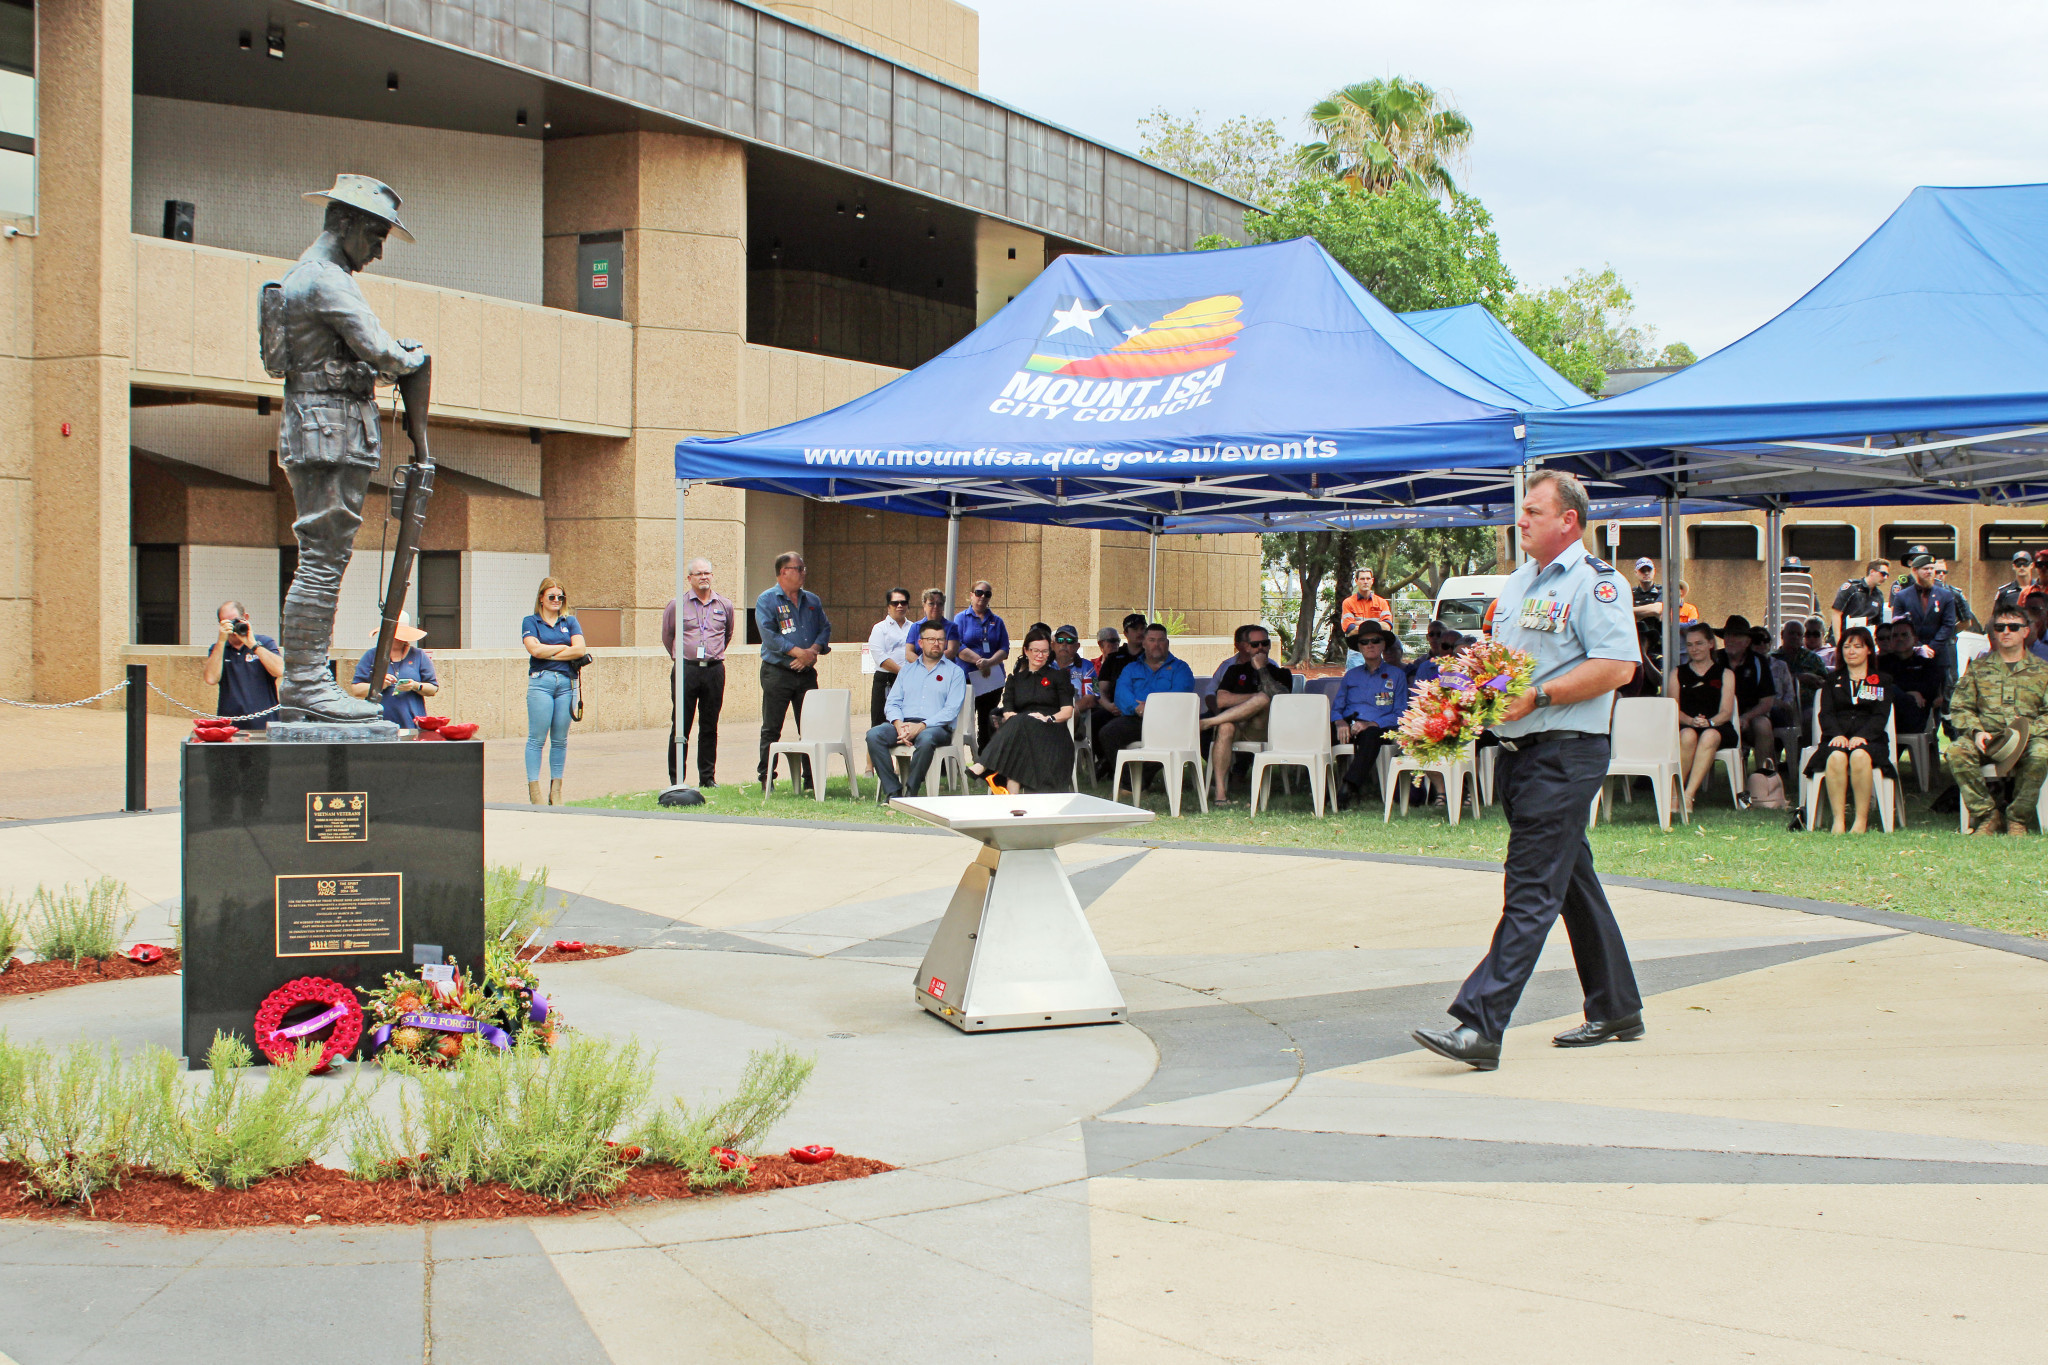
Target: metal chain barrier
point(65, 705)
point(253, 715)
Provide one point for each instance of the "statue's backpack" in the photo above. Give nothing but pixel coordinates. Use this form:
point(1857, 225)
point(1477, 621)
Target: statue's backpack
point(277, 356)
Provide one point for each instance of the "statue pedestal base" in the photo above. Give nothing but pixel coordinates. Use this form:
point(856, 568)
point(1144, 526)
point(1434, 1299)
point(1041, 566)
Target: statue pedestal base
point(344, 861)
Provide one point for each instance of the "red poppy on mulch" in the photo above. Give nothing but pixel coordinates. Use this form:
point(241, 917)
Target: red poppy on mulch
point(29, 978)
point(317, 1195)
point(589, 952)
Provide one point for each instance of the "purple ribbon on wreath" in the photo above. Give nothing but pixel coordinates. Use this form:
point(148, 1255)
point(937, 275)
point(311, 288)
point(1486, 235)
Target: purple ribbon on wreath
point(316, 1023)
point(1498, 682)
point(443, 1023)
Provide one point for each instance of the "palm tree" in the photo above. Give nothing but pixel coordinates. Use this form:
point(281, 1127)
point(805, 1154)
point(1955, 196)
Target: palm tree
point(1381, 133)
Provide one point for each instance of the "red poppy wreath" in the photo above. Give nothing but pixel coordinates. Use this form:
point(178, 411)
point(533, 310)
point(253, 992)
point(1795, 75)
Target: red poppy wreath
point(279, 1039)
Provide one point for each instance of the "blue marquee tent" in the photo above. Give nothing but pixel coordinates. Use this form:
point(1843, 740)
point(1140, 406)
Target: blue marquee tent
point(1916, 371)
point(1116, 391)
point(1474, 336)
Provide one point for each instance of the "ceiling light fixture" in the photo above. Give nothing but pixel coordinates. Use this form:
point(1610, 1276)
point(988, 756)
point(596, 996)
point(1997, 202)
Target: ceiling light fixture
point(274, 41)
point(391, 80)
point(860, 210)
point(519, 119)
point(248, 41)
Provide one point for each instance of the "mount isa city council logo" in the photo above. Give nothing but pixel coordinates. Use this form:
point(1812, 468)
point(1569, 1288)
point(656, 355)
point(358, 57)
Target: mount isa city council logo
point(1119, 361)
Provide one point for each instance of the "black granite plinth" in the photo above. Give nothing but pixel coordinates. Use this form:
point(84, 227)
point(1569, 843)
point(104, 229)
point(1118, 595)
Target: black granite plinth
point(334, 860)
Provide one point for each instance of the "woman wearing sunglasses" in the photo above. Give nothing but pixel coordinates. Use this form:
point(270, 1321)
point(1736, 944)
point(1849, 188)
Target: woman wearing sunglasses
point(553, 638)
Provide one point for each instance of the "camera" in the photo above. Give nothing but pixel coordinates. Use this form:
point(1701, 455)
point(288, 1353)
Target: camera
point(241, 628)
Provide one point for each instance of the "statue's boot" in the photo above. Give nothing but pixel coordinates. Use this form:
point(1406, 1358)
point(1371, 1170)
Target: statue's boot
point(308, 690)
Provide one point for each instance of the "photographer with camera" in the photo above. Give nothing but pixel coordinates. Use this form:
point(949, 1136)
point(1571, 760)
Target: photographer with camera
point(246, 667)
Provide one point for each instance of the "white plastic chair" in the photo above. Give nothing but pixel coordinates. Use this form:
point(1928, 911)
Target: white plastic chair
point(1644, 743)
point(1735, 763)
point(1083, 731)
point(1456, 773)
point(1327, 688)
point(957, 754)
point(1171, 737)
point(824, 727)
point(1297, 735)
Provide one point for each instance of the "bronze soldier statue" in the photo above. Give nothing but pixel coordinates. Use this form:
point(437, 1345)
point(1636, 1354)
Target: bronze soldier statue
point(319, 335)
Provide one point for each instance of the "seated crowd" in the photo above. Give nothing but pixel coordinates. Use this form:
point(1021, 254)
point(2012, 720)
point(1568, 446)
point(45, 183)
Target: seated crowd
point(1887, 666)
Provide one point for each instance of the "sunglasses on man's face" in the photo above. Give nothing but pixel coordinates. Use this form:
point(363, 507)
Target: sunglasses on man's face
point(1258, 644)
point(2005, 627)
point(899, 601)
point(982, 592)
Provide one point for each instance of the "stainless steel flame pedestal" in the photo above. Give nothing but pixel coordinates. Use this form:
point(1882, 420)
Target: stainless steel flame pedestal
point(1014, 950)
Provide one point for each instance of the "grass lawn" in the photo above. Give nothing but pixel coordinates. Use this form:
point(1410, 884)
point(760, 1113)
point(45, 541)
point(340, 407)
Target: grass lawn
point(1928, 868)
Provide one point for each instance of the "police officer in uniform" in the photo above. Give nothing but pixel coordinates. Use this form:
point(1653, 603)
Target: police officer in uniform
point(1571, 612)
point(320, 336)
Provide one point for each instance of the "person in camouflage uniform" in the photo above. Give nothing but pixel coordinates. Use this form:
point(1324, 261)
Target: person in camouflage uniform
point(1999, 688)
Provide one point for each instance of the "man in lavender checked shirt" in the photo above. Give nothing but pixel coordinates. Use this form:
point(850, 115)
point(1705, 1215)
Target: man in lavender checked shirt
point(708, 621)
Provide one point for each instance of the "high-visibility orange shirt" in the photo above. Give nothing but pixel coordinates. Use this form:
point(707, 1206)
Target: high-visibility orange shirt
point(1373, 607)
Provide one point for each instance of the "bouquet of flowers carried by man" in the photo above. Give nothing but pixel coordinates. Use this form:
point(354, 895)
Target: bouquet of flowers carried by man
point(1446, 713)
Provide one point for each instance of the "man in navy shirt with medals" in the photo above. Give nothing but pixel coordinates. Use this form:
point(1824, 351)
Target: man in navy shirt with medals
point(794, 632)
point(1572, 613)
point(1367, 708)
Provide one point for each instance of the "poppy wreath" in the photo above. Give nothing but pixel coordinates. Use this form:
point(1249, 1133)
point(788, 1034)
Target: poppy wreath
point(279, 1039)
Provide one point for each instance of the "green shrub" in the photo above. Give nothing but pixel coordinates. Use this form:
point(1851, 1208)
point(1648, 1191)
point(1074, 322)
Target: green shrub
point(237, 1131)
point(686, 1138)
point(515, 904)
point(69, 1119)
point(537, 1120)
point(12, 914)
point(78, 924)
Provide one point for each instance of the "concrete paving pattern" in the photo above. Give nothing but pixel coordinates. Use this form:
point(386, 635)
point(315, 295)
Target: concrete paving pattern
point(1831, 1146)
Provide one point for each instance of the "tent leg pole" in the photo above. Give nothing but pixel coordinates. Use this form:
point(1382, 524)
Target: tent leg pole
point(1152, 579)
point(1674, 574)
point(682, 586)
point(952, 561)
point(1521, 493)
point(1774, 572)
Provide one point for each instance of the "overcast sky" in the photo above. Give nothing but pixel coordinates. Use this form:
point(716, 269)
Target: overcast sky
point(1723, 157)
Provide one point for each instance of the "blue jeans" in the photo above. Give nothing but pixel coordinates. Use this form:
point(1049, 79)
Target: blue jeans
point(548, 696)
point(929, 741)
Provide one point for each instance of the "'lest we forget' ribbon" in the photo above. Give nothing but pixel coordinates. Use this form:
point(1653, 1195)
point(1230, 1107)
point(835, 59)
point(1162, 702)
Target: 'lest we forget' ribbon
point(442, 1023)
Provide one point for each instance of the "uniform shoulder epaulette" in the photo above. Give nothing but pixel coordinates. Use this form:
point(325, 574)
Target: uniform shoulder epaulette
point(1600, 565)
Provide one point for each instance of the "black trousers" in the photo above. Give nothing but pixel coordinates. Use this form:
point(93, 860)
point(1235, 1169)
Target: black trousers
point(1364, 758)
point(703, 699)
point(1545, 792)
point(782, 688)
point(1111, 735)
point(878, 697)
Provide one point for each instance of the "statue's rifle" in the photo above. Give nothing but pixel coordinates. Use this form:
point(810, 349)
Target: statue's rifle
point(411, 486)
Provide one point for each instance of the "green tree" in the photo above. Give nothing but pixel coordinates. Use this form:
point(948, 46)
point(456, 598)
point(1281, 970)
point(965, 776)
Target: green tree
point(1379, 134)
point(1243, 156)
point(1586, 329)
point(1407, 248)
point(1321, 564)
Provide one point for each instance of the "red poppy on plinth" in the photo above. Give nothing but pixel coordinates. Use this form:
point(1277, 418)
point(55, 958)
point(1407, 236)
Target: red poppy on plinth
point(462, 731)
point(431, 722)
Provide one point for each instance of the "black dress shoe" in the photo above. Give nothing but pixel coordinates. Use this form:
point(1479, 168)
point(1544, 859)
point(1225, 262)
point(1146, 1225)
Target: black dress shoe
point(1461, 1044)
point(1595, 1031)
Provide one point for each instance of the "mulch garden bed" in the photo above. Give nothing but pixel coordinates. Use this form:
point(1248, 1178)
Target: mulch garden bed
point(30, 978)
point(317, 1196)
point(590, 952)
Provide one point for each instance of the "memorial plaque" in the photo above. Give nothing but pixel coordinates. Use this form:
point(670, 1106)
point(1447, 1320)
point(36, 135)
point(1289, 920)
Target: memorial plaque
point(338, 915)
point(337, 817)
point(256, 851)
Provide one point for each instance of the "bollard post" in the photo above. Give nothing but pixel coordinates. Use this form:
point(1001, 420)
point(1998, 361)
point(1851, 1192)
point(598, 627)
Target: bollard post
point(138, 737)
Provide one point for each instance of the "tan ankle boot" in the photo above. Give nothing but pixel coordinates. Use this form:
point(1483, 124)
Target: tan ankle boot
point(555, 792)
point(533, 793)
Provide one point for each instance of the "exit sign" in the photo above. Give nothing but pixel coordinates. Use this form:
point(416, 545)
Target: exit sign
point(600, 286)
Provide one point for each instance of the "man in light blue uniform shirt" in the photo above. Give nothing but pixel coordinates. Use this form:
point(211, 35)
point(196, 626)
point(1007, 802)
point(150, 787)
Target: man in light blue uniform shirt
point(924, 701)
point(1575, 616)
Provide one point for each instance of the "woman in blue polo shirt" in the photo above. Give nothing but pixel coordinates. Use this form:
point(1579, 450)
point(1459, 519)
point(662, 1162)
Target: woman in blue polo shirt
point(552, 638)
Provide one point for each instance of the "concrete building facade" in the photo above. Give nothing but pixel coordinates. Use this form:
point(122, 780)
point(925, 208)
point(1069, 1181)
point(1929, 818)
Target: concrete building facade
point(637, 220)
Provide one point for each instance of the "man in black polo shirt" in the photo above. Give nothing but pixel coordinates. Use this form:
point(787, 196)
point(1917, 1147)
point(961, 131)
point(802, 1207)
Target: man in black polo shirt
point(1863, 598)
point(245, 665)
point(1105, 687)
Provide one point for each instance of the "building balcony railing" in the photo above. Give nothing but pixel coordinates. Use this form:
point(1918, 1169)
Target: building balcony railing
point(495, 361)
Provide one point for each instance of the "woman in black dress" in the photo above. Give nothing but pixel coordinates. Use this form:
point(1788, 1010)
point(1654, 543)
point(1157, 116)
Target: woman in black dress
point(1705, 690)
point(1033, 750)
point(1854, 707)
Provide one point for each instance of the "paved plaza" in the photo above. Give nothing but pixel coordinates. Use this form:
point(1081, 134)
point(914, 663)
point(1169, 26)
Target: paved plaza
point(1832, 1145)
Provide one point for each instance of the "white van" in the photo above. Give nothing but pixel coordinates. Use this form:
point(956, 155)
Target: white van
point(1462, 601)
